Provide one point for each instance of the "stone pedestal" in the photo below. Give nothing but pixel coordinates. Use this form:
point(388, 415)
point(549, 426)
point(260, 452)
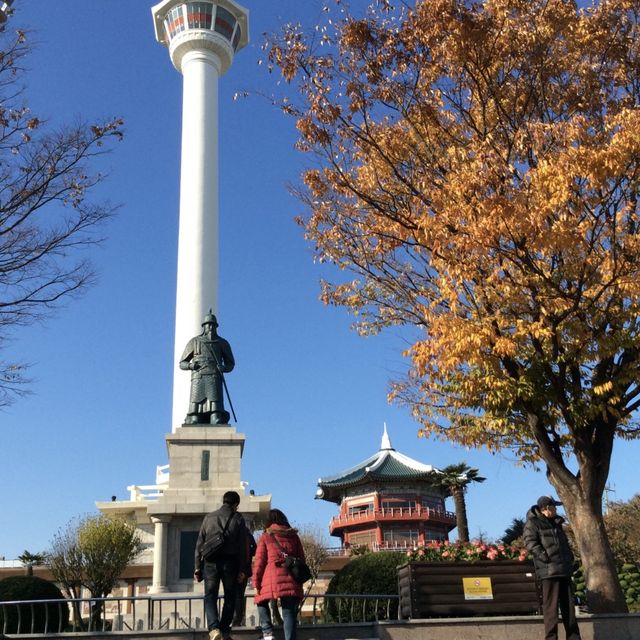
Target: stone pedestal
point(204, 463)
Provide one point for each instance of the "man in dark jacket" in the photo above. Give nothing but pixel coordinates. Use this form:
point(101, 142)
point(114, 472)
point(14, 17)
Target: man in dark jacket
point(547, 542)
point(241, 601)
point(227, 566)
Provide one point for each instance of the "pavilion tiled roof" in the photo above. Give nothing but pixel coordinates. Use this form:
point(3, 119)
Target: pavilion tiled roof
point(386, 465)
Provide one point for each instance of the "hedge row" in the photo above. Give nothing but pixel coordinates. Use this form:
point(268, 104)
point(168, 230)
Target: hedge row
point(31, 618)
point(629, 577)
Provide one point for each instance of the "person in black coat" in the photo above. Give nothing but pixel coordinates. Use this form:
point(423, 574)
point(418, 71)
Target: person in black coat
point(228, 565)
point(545, 539)
point(241, 601)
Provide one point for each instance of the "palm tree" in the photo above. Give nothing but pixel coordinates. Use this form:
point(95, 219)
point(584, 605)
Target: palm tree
point(514, 531)
point(456, 478)
point(29, 559)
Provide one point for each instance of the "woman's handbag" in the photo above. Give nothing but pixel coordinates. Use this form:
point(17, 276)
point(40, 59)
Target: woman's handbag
point(298, 569)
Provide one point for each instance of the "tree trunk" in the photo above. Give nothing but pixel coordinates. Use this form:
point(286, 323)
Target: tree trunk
point(581, 494)
point(75, 593)
point(461, 513)
point(97, 607)
point(604, 594)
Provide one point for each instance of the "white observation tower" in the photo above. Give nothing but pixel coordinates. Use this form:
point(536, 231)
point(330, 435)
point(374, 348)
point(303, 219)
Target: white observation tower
point(202, 38)
point(204, 462)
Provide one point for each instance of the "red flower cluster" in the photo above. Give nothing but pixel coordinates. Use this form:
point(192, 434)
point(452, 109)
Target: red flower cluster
point(465, 552)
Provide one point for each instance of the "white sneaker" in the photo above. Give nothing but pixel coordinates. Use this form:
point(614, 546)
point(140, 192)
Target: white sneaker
point(215, 634)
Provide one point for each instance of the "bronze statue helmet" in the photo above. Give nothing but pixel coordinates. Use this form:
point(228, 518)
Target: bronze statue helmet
point(210, 319)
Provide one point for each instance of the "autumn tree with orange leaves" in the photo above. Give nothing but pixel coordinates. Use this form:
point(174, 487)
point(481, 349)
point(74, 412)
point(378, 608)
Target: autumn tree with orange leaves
point(476, 166)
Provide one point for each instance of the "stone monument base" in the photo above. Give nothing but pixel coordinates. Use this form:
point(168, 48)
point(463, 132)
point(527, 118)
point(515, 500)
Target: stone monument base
point(204, 463)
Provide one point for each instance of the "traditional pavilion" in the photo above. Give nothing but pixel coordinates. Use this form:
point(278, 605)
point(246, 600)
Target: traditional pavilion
point(388, 501)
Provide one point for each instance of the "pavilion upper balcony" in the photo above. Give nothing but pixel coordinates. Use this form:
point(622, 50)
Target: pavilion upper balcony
point(397, 515)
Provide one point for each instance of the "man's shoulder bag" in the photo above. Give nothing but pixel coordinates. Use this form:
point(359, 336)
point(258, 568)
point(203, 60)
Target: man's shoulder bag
point(298, 569)
point(213, 545)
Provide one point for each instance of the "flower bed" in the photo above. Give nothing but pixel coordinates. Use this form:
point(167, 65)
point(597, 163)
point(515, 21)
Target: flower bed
point(474, 579)
point(465, 552)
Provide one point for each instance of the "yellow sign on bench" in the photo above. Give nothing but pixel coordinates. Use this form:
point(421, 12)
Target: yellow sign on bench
point(477, 588)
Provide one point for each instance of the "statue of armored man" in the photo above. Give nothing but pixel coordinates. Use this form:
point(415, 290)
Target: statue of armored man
point(208, 357)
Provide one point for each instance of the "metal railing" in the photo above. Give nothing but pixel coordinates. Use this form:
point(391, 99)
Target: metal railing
point(348, 608)
point(407, 514)
point(146, 613)
point(394, 545)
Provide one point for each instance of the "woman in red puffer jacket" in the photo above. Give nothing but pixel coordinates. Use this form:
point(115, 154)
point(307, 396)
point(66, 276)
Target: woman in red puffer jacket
point(270, 577)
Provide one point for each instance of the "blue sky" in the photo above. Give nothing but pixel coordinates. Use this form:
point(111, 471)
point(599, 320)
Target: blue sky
point(310, 395)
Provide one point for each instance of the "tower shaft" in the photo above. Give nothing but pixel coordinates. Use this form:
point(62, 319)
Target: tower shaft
point(202, 38)
point(198, 244)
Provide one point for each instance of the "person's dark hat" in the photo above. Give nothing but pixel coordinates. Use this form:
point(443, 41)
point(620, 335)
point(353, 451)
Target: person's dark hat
point(547, 501)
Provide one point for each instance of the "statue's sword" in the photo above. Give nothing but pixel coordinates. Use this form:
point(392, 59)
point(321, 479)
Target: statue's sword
point(224, 384)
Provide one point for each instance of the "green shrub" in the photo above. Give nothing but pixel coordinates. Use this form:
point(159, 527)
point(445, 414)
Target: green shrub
point(629, 578)
point(36, 618)
point(580, 586)
point(372, 573)
point(630, 583)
